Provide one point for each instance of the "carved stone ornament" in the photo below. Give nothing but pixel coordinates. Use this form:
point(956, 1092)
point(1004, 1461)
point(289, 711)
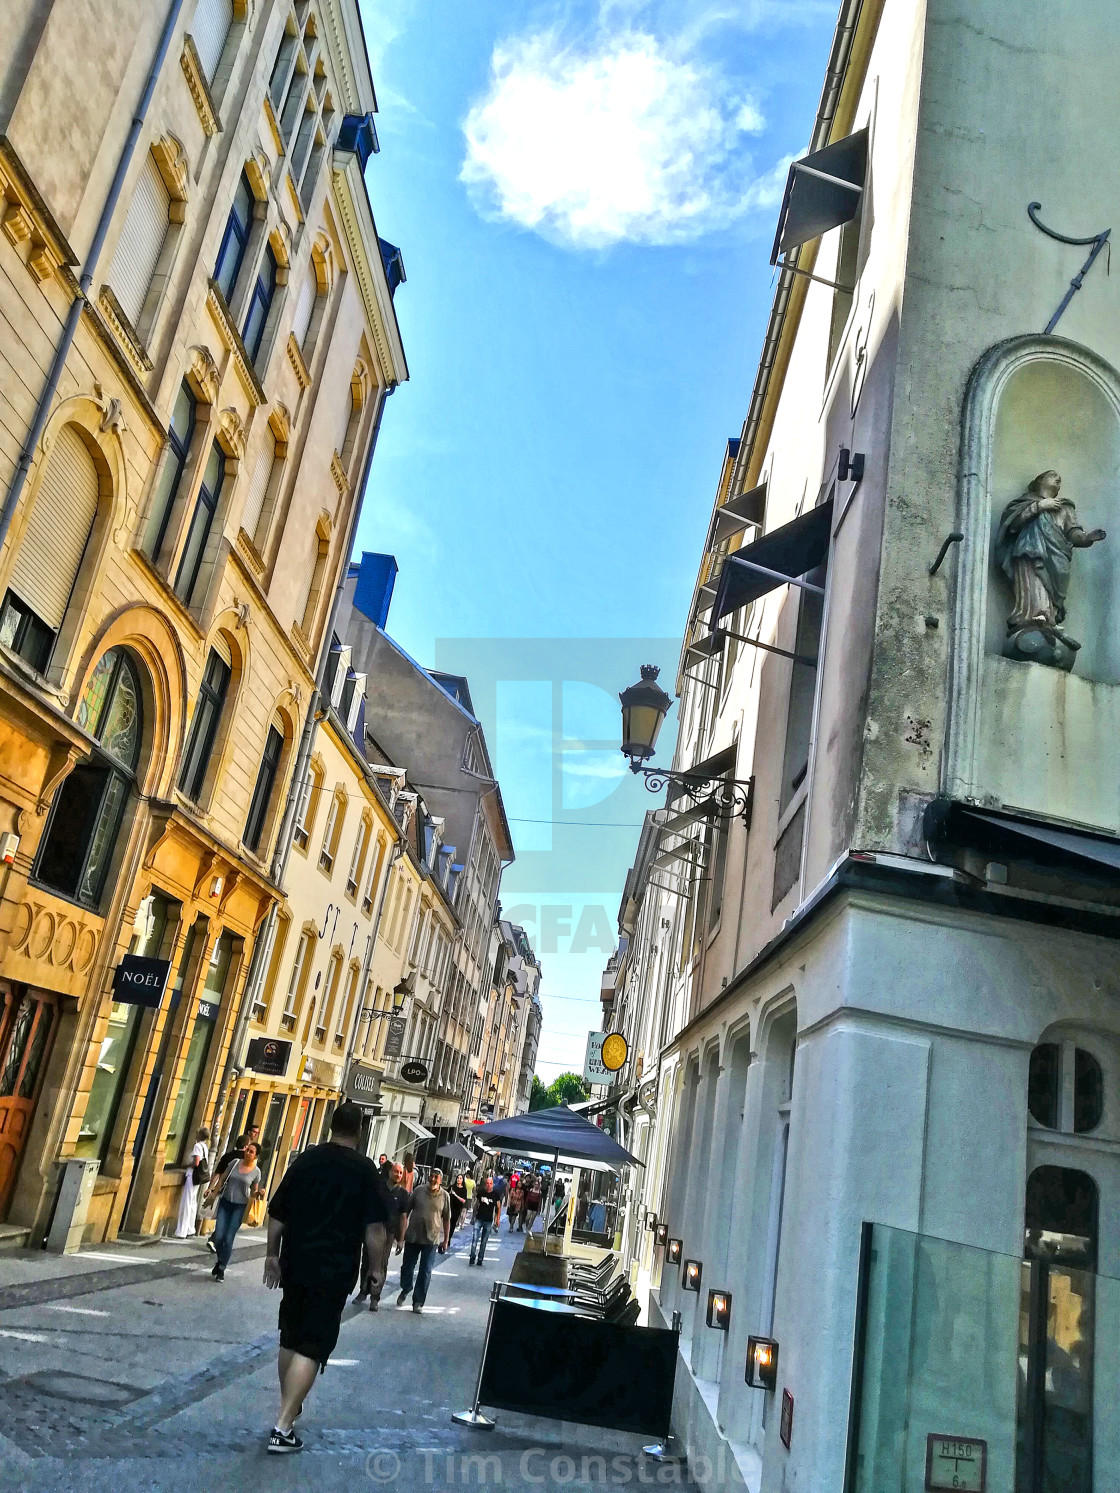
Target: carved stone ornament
point(112, 412)
point(173, 165)
point(1038, 533)
point(204, 375)
point(232, 432)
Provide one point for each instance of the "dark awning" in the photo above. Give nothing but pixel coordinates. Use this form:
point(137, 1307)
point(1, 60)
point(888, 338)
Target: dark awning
point(557, 1134)
point(1008, 834)
point(792, 550)
point(823, 190)
point(734, 515)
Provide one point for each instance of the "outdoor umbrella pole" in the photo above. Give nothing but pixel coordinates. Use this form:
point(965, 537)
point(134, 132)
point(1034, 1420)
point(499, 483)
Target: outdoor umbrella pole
point(473, 1417)
point(548, 1205)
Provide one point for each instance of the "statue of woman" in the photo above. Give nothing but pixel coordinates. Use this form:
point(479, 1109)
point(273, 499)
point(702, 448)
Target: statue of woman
point(1038, 533)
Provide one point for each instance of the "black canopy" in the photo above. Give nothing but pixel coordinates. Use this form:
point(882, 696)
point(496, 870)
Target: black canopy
point(792, 550)
point(557, 1134)
point(823, 190)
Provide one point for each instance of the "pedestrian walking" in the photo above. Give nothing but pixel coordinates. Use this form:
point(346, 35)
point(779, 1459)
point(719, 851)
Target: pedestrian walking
point(469, 1187)
point(514, 1206)
point(207, 1212)
point(459, 1201)
point(532, 1204)
point(487, 1215)
point(501, 1187)
point(409, 1162)
point(196, 1176)
point(240, 1182)
point(429, 1230)
point(330, 1202)
point(375, 1265)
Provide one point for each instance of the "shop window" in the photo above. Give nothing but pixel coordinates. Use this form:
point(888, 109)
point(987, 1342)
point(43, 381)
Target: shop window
point(202, 521)
point(51, 550)
point(81, 834)
point(179, 435)
point(180, 1132)
point(235, 239)
point(118, 1045)
point(262, 792)
point(204, 725)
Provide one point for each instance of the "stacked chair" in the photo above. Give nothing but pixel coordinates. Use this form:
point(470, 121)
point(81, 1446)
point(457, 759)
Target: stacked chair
point(603, 1291)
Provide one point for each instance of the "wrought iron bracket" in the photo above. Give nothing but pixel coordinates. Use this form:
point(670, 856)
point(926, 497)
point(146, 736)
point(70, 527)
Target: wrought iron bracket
point(1098, 242)
point(732, 798)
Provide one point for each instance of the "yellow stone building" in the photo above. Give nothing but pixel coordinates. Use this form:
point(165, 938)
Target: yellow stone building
point(198, 337)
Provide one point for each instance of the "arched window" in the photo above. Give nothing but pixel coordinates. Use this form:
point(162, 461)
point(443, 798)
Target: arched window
point(138, 248)
point(81, 834)
point(50, 551)
point(1048, 1085)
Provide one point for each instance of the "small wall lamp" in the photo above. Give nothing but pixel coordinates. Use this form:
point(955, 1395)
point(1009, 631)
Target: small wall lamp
point(662, 1232)
point(692, 1275)
point(673, 1251)
point(719, 1309)
point(762, 1363)
point(651, 1222)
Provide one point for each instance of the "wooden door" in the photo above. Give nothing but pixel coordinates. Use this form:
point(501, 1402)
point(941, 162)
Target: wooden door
point(26, 1029)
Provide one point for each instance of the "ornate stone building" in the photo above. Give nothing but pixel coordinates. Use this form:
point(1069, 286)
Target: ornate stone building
point(198, 339)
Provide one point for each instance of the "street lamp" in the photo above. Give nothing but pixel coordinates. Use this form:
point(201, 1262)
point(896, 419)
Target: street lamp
point(644, 707)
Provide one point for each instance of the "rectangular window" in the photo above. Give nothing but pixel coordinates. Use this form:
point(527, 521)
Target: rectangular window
point(209, 29)
point(204, 726)
point(374, 874)
point(296, 981)
point(802, 690)
point(258, 485)
point(24, 633)
point(202, 521)
point(138, 248)
point(179, 435)
point(260, 303)
point(326, 853)
point(346, 1009)
point(356, 858)
point(262, 793)
point(235, 240)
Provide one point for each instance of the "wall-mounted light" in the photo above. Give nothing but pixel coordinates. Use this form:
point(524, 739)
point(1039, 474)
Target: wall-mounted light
point(691, 1275)
point(673, 1251)
point(651, 1222)
point(719, 1309)
point(662, 1232)
point(762, 1363)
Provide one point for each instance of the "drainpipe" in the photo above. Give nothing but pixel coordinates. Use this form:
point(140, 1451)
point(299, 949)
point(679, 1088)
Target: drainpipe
point(287, 823)
point(85, 283)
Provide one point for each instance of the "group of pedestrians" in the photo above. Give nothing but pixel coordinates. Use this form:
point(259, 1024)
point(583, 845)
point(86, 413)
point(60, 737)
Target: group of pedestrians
point(525, 1198)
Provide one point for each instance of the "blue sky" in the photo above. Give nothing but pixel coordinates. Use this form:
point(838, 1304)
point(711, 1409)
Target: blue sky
point(585, 196)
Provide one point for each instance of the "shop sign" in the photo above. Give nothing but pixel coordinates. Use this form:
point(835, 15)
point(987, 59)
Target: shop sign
point(605, 1055)
point(208, 1010)
point(414, 1071)
point(785, 1425)
point(321, 1073)
point(959, 1462)
point(394, 1041)
point(140, 981)
point(363, 1084)
point(269, 1055)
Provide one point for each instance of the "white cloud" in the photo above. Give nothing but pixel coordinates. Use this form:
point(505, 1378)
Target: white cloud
point(624, 138)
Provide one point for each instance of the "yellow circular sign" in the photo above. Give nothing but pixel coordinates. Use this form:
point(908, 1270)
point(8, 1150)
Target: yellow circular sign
point(614, 1052)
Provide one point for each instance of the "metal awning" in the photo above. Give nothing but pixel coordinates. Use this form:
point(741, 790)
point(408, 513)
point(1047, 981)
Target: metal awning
point(703, 649)
point(782, 555)
point(417, 1129)
point(823, 190)
point(996, 834)
point(734, 515)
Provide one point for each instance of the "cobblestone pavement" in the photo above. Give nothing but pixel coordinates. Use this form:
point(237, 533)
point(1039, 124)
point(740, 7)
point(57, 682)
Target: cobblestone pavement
point(130, 1368)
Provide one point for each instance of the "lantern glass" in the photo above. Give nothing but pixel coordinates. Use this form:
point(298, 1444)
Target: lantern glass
point(644, 707)
point(673, 1251)
point(692, 1275)
point(762, 1362)
point(719, 1309)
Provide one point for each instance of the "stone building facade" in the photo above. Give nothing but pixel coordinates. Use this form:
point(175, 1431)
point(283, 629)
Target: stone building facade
point(872, 1002)
point(199, 336)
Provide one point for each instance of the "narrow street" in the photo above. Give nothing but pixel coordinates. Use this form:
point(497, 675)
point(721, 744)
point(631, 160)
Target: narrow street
point(134, 1370)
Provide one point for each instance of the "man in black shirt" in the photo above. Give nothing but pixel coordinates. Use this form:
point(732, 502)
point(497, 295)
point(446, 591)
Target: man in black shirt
point(330, 1202)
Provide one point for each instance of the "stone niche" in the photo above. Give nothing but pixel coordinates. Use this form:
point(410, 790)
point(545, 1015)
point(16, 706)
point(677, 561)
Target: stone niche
point(1032, 735)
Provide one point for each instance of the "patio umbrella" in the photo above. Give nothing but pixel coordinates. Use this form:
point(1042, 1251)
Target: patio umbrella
point(456, 1151)
point(557, 1135)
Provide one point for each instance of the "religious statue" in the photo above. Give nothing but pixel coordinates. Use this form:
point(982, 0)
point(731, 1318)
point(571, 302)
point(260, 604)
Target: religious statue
point(1038, 533)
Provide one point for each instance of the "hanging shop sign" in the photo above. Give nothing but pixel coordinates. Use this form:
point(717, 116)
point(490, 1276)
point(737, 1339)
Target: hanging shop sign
point(140, 981)
point(269, 1055)
point(605, 1055)
point(394, 1040)
point(414, 1071)
point(956, 1462)
point(363, 1084)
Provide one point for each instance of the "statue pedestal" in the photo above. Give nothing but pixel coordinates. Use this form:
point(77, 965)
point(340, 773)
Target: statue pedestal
point(1036, 645)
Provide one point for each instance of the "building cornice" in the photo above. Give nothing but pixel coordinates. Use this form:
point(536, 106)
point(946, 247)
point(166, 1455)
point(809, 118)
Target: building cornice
point(360, 231)
point(349, 57)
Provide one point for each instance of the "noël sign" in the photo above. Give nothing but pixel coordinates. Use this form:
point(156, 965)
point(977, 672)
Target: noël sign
point(140, 981)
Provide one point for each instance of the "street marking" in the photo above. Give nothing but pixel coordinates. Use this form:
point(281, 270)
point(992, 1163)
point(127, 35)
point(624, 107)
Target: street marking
point(78, 1311)
point(89, 1254)
point(24, 1337)
point(343, 1363)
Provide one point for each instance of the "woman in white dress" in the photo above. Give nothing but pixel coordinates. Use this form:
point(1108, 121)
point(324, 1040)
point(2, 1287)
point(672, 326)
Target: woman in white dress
point(188, 1202)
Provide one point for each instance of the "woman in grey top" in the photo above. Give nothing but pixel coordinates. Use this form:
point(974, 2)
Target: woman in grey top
point(239, 1183)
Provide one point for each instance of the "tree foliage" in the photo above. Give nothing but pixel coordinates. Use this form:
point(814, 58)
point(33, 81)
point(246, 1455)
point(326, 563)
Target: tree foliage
point(569, 1088)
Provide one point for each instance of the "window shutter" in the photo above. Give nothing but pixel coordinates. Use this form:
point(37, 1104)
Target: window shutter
point(303, 591)
point(142, 236)
point(308, 290)
point(258, 485)
point(54, 541)
point(209, 29)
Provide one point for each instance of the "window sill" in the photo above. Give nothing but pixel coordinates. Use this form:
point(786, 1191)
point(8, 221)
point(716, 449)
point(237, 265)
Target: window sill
point(259, 1014)
point(288, 1023)
point(320, 1034)
point(125, 333)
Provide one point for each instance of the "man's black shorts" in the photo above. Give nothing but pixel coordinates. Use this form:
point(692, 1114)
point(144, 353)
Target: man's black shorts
point(310, 1319)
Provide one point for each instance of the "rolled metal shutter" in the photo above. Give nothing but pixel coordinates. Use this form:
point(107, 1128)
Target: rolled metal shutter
point(305, 305)
point(303, 592)
point(50, 552)
point(141, 240)
point(209, 29)
point(258, 485)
